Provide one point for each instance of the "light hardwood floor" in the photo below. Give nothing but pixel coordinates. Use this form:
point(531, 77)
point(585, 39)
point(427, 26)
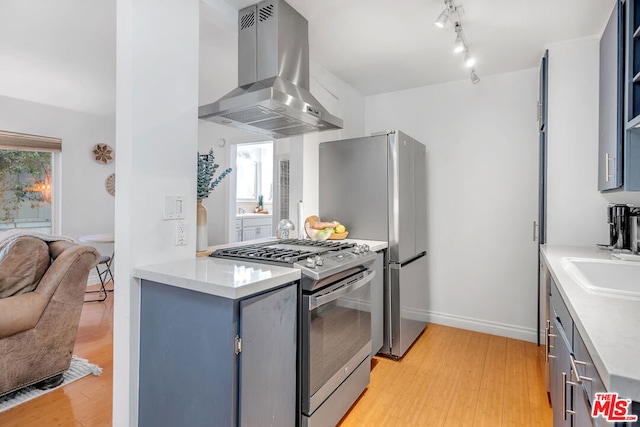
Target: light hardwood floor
point(450, 377)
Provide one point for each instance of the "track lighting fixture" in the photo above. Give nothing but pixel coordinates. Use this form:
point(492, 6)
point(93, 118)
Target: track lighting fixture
point(454, 14)
point(459, 45)
point(474, 77)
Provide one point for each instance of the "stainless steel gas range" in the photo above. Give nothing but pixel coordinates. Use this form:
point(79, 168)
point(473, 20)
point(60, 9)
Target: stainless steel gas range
point(334, 320)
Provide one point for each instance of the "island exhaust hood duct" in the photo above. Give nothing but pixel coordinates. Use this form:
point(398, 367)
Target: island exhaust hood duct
point(273, 96)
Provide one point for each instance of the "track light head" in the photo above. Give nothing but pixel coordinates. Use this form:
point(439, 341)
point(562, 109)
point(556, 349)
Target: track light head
point(449, 9)
point(442, 19)
point(474, 77)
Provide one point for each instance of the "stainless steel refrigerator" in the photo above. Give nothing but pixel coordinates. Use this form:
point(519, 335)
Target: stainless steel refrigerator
point(377, 187)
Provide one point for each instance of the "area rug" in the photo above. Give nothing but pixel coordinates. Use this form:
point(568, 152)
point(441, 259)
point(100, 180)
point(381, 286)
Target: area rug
point(79, 368)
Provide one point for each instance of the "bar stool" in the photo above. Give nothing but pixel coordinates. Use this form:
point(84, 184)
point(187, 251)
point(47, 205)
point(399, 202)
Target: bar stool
point(105, 261)
point(103, 268)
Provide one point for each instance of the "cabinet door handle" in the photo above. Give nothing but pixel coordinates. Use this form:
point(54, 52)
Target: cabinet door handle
point(607, 159)
point(565, 411)
point(547, 342)
point(574, 369)
point(535, 235)
point(539, 112)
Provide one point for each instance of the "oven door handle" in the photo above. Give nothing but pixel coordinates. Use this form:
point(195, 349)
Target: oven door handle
point(315, 302)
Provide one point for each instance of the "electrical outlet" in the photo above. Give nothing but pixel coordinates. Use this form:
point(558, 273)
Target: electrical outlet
point(181, 233)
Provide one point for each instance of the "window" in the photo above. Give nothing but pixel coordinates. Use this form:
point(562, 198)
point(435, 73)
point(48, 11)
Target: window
point(254, 164)
point(26, 181)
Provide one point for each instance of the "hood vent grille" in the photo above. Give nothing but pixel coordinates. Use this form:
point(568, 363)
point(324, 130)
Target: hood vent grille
point(273, 96)
point(266, 12)
point(248, 20)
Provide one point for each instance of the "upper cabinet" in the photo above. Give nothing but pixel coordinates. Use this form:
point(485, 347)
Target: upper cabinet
point(611, 129)
point(619, 132)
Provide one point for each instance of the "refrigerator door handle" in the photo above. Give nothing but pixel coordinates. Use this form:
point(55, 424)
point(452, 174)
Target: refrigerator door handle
point(395, 264)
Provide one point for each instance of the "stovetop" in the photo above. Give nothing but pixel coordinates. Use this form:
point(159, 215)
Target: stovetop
point(287, 251)
point(317, 259)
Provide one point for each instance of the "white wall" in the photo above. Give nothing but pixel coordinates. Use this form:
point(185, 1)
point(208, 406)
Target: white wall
point(86, 207)
point(482, 146)
point(576, 211)
point(157, 139)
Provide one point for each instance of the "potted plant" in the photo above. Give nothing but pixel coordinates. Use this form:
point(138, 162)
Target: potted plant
point(207, 181)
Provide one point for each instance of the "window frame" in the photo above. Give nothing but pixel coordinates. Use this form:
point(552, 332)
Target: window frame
point(16, 141)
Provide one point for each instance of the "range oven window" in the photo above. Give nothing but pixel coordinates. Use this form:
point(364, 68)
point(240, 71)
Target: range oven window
point(336, 331)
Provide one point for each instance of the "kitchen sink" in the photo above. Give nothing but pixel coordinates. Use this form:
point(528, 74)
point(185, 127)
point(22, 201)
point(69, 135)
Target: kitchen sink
point(606, 277)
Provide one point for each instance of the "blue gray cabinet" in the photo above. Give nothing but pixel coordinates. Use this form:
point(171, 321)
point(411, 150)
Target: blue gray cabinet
point(212, 361)
point(560, 332)
point(573, 378)
point(619, 118)
point(611, 118)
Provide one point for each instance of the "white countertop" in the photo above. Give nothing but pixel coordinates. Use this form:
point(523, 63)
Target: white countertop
point(374, 245)
point(228, 278)
point(249, 215)
point(609, 327)
point(220, 277)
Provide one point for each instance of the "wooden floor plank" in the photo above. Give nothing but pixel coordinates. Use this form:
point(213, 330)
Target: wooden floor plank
point(449, 377)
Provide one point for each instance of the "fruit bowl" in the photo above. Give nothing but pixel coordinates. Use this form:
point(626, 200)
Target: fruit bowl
point(317, 235)
point(339, 236)
point(328, 232)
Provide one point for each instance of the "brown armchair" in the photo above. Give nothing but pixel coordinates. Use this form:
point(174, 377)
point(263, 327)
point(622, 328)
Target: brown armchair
point(38, 328)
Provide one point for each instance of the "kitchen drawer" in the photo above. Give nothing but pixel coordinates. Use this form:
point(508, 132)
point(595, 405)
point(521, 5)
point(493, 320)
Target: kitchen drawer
point(559, 310)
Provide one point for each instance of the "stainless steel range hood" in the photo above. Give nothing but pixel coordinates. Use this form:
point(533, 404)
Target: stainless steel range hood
point(273, 96)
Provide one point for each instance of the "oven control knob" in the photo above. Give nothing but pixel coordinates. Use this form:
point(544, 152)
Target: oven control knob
point(356, 249)
point(319, 261)
point(311, 263)
point(365, 248)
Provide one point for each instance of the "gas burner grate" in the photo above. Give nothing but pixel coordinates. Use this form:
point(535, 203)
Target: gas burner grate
point(280, 251)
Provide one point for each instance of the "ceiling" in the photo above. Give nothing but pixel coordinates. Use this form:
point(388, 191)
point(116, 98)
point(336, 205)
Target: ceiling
point(64, 55)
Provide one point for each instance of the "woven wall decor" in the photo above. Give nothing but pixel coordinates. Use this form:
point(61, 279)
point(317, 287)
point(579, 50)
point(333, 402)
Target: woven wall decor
point(110, 183)
point(103, 153)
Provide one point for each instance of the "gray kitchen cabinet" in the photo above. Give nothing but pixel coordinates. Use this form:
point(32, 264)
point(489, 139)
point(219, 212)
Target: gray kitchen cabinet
point(573, 380)
point(254, 228)
point(559, 366)
point(619, 117)
point(611, 116)
point(588, 380)
point(560, 332)
point(212, 361)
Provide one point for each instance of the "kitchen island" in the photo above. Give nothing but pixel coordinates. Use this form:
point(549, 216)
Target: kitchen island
point(228, 329)
point(216, 338)
point(608, 326)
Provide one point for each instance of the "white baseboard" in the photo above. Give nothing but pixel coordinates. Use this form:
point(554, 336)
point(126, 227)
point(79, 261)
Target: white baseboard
point(472, 324)
point(477, 325)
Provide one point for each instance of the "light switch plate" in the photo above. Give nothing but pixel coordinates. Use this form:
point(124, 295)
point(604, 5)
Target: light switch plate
point(173, 207)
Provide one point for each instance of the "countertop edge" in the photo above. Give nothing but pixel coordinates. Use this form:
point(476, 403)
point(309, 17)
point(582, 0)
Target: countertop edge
point(572, 295)
point(187, 279)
